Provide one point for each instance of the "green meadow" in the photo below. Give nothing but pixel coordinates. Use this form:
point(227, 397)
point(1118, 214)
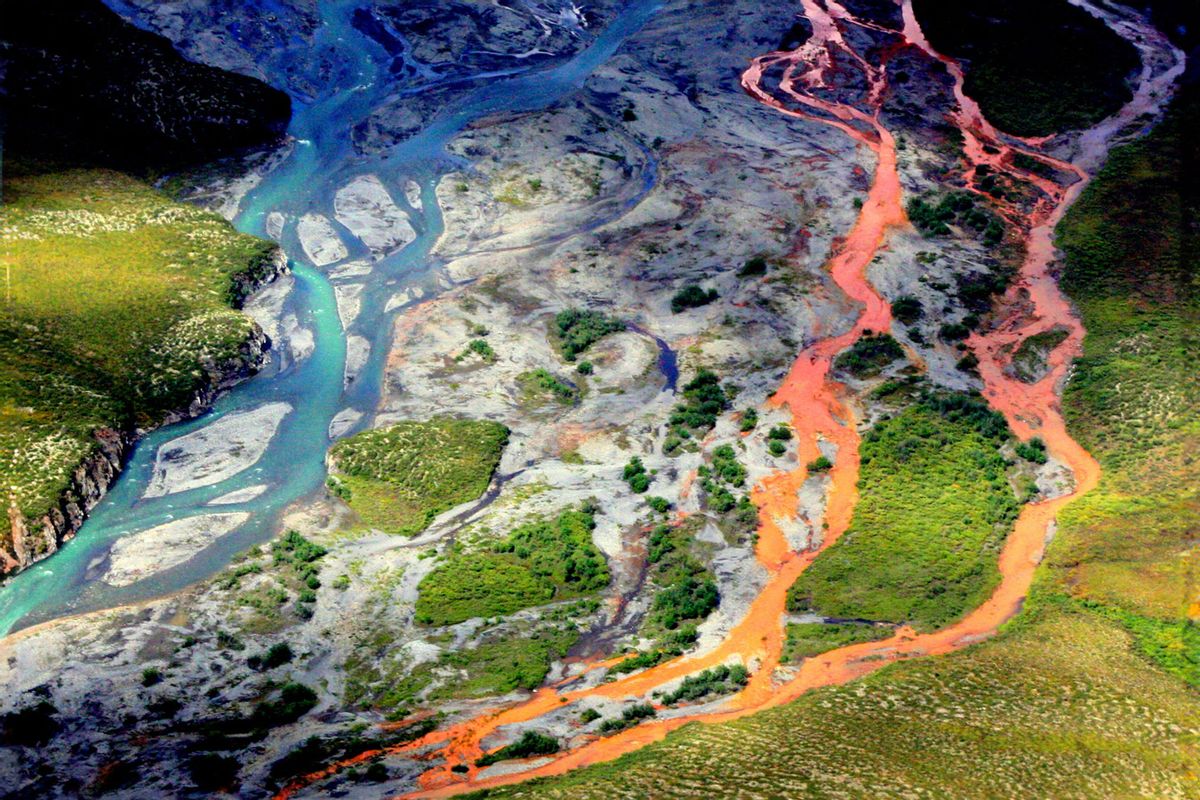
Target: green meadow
point(399, 478)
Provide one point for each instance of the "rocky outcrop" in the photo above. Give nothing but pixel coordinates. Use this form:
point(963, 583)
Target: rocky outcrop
point(82, 83)
point(30, 541)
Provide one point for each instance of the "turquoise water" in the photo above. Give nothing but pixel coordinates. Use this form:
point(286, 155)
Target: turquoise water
point(356, 76)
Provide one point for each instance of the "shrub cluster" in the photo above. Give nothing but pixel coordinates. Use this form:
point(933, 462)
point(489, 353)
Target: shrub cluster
point(703, 401)
point(577, 330)
point(531, 743)
point(692, 296)
point(722, 679)
point(870, 354)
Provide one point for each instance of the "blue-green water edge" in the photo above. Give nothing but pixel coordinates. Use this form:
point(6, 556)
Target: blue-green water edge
point(356, 76)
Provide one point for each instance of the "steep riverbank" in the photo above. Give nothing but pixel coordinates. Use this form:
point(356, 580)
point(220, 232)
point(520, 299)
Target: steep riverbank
point(123, 365)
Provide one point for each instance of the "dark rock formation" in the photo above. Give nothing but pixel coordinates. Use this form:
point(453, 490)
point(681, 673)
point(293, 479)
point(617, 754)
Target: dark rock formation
point(83, 85)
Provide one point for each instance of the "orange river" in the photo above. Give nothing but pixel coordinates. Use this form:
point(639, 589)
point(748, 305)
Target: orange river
point(820, 411)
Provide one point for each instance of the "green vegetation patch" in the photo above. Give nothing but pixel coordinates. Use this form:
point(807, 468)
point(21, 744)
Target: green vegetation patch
point(400, 477)
point(907, 309)
point(870, 355)
point(934, 218)
point(576, 330)
point(1029, 359)
point(538, 562)
point(630, 716)
point(120, 310)
point(935, 506)
point(723, 679)
point(539, 386)
point(808, 639)
point(688, 592)
point(704, 399)
point(692, 296)
point(531, 743)
point(290, 574)
point(381, 678)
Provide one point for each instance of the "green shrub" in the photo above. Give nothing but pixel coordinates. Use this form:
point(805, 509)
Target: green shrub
point(277, 655)
point(692, 296)
point(953, 332)
point(540, 384)
point(719, 680)
point(870, 354)
point(691, 598)
point(780, 432)
point(907, 309)
point(753, 266)
point(294, 701)
point(577, 330)
point(727, 468)
point(585, 368)
point(749, 420)
point(704, 400)
point(820, 464)
point(955, 208)
point(530, 744)
point(630, 716)
point(1034, 450)
point(480, 348)
point(660, 504)
point(636, 476)
point(776, 447)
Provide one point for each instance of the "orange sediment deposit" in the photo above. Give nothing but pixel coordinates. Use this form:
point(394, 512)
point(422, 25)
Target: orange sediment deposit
point(820, 412)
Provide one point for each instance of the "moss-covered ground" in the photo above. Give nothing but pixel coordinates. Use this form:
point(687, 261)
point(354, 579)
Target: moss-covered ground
point(117, 303)
point(399, 478)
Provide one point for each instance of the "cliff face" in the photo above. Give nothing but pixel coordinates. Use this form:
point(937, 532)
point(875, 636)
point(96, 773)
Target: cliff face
point(29, 541)
point(81, 83)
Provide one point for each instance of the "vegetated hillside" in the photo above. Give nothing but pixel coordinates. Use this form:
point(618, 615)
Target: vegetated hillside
point(84, 86)
point(1035, 66)
point(1084, 694)
point(1132, 243)
point(120, 310)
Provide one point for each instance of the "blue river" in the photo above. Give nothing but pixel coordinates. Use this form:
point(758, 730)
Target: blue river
point(357, 75)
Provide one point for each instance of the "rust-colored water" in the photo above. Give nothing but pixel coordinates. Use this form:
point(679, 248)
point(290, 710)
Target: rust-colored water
point(820, 412)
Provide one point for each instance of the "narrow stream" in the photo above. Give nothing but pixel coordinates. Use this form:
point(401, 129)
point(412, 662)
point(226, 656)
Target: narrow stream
point(356, 77)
